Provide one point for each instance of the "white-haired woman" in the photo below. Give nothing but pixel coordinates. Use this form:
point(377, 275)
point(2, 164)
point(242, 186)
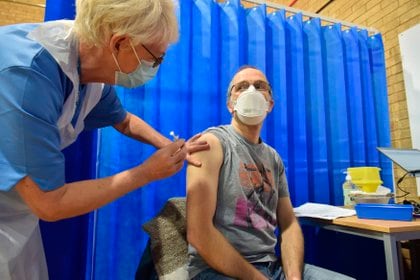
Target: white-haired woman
point(55, 81)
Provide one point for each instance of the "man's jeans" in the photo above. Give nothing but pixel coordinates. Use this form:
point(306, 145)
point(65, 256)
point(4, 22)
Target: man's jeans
point(273, 271)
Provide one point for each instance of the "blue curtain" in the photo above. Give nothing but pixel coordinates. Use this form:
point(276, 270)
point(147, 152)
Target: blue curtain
point(331, 112)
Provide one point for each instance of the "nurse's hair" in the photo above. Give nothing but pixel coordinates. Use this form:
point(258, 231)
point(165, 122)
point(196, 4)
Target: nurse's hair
point(146, 21)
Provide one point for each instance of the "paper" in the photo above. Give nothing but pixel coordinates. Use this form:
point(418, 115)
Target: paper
point(322, 211)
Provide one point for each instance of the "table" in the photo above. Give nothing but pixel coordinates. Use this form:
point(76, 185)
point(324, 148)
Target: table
point(390, 232)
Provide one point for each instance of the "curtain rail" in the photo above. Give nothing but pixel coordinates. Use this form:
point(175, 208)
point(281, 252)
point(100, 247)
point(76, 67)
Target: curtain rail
point(312, 15)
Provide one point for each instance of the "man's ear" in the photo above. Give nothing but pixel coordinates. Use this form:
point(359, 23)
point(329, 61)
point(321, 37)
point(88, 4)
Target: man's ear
point(230, 105)
point(118, 42)
point(271, 105)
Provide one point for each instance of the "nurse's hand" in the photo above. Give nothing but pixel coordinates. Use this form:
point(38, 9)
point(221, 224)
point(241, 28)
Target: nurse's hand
point(166, 161)
point(194, 145)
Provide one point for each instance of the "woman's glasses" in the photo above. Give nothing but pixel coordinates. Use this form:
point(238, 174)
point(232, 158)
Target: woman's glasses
point(158, 60)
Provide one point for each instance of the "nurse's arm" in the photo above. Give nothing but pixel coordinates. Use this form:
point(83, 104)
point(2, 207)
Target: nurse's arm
point(134, 127)
point(81, 197)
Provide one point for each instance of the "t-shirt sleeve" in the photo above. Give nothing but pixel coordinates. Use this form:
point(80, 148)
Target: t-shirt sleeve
point(30, 104)
point(283, 184)
point(108, 111)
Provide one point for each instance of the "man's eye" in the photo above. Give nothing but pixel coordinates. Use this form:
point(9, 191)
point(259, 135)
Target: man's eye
point(260, 86)
point(242, 86)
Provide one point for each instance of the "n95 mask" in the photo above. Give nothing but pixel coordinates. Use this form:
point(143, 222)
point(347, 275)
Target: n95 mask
point(251, 107)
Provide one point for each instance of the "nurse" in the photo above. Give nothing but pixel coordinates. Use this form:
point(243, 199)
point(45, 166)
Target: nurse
point(55, 81)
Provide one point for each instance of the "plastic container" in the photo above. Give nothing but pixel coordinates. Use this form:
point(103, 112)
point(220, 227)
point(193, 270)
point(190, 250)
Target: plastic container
point(370, 198)
point(348, 186)
point(384, 211)
point(367, 178)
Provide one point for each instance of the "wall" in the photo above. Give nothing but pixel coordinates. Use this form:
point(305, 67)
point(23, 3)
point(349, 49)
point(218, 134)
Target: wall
point(21, 11)
point(390, 17)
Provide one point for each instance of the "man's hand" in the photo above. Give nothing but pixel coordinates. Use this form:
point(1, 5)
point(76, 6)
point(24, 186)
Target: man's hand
point(166, 161)
point(194, 145)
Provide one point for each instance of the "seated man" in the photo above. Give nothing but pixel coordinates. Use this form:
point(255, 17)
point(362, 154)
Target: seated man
point(239, 195)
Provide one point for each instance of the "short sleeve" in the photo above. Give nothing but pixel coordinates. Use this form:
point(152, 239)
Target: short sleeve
point(108, 111)
point(30, 104)
point(283, 185)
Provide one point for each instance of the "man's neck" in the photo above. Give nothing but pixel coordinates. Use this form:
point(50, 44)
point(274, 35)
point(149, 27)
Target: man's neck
point(250, 132)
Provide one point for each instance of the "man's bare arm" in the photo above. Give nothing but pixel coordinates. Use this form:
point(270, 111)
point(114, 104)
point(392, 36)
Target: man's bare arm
point(292, 247)
point(202, 184)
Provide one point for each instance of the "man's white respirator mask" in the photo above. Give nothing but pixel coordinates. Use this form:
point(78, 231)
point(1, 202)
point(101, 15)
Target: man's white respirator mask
point(251, 106)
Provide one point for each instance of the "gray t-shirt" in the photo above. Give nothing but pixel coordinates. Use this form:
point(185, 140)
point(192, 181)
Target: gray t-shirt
point(251, 180)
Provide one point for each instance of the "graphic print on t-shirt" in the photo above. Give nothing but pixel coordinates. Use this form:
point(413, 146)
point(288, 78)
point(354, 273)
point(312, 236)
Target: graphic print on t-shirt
point(251, 210)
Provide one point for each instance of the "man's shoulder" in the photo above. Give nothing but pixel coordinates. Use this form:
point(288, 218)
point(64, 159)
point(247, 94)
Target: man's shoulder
point(210, 137)
point(217, 129)
point(220, 132)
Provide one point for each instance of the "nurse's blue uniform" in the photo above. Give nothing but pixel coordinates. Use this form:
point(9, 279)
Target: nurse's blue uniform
point(42, 110)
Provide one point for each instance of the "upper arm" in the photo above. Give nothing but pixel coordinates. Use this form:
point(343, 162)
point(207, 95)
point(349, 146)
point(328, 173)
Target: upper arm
point(123, 126)
point(202, 184)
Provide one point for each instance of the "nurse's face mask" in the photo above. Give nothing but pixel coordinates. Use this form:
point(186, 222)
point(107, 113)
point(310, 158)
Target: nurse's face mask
point(144, 72)
point(251, 107)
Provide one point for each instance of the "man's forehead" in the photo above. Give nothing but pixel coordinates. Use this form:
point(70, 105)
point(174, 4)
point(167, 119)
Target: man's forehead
point(249, 74)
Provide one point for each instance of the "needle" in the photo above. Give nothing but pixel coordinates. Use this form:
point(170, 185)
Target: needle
point(174, 137)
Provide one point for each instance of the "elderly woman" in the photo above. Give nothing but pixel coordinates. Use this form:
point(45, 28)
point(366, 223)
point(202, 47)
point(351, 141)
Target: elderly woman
point(55, 81)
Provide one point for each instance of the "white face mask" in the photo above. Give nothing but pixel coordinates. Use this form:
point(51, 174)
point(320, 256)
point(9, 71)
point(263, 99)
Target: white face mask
point(251, 106)
point(143, 73)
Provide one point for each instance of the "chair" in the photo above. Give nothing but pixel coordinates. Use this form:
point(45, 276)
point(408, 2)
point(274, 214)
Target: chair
point(166, 253)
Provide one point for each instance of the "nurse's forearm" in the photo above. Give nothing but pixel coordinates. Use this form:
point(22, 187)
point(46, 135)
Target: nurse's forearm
point(136, 128)
point(81, 197)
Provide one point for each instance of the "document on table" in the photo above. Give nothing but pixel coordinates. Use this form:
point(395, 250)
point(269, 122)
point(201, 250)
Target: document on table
point(322, 211)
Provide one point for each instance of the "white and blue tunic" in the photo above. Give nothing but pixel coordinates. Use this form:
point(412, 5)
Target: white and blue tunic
point(42, 110)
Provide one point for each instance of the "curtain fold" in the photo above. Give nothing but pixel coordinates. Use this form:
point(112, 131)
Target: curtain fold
point(330, 113)
point(276, 74)
point(230, 50)
point(336, 110)
point(355, 98)
point(371, 139)
point(380, 99)
point(316, 120)
point(296, 117)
